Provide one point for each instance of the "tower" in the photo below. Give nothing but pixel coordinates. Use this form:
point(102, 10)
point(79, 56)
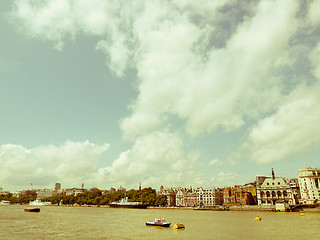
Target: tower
point(57, 187)
point(272, 172)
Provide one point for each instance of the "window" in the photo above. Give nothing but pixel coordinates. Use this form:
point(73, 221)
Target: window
point(267, 183)
point(278, 183)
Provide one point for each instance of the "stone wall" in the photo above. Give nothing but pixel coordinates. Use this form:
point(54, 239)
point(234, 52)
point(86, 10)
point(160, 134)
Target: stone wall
point(252, 208)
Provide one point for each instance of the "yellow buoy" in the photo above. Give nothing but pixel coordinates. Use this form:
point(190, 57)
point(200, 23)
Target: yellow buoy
point(178, 226)
point(301, 214)
point(258, 218)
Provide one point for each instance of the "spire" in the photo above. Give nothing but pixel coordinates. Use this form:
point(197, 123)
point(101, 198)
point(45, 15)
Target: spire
point(272, 172)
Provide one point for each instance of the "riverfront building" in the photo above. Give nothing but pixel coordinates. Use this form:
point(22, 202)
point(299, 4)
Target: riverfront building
point(205, 197)
point(170, 194)
point(189, 197)
point(44, 193)
point(309, 183)
point(272, 190)
point(239, 195)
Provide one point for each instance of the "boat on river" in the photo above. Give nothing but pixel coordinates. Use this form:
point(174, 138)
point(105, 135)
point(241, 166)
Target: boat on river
point(37, 202)
point(125, 204)
point(32, 209)
point(161, 222)
point(5, 202)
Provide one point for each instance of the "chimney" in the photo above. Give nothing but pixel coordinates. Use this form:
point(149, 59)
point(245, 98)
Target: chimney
point(272, 172)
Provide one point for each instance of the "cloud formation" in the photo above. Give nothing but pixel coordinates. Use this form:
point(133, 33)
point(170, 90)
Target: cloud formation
point(71, 163)
point(155, 159)
point(291, 130)
point(215, 65)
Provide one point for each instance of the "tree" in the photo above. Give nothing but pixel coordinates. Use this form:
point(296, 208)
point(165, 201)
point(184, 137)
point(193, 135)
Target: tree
point(161, 200)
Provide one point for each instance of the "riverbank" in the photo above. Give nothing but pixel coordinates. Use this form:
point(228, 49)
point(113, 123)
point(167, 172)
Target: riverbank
point(268, 208)
point(259, 208)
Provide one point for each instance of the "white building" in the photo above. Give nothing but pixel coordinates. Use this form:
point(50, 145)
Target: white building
point(309, 183)
point(205, 197)
point(180, 197)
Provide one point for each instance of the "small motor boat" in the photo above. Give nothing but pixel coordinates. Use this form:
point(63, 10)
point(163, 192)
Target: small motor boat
point(32, 209)
point(161, 222)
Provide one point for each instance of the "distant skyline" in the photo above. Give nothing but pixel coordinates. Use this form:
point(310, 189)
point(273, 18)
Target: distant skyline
point(173, 93)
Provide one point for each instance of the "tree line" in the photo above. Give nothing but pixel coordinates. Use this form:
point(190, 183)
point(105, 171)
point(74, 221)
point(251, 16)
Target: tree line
point(16, 200)
point(97, 197)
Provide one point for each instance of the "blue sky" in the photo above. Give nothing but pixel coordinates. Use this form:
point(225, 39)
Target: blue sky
point(173, 93)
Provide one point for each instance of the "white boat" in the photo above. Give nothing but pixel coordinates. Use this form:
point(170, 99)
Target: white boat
point(125, 204)
point(37, 202)
point(5, 202)
point(161, 222)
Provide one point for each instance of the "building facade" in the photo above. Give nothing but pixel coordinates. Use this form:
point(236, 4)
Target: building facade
point(170, 193)
point(238, 195)
point(205, 197)
point(218, 196)
point(274, 189)
point(309, 184)
point(190, 198)
point(44, 193)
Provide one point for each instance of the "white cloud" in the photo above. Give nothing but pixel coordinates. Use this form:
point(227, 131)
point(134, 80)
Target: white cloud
point(291, 130)
point(313, 13)
point(50, 21)
point(162, 40)
point(233, 83)
point(315, 60)
point(71, 163)
point(154, 159)
point(227, 179)
point(215, 162)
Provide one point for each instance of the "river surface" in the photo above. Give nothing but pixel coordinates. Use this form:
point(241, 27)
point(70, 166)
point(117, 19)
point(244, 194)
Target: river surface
point(55, 222)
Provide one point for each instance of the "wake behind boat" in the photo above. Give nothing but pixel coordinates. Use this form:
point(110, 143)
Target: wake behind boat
point(125, 204)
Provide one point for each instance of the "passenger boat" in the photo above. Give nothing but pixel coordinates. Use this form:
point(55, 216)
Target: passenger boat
point(37, 202)
point(5, 202)
point(125, 204)
point(32, 209)
point(161, 222)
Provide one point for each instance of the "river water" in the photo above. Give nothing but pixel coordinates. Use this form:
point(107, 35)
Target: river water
point(55, 222)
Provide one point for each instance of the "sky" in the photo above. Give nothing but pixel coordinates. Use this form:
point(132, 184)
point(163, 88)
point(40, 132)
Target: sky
point(177, 93)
